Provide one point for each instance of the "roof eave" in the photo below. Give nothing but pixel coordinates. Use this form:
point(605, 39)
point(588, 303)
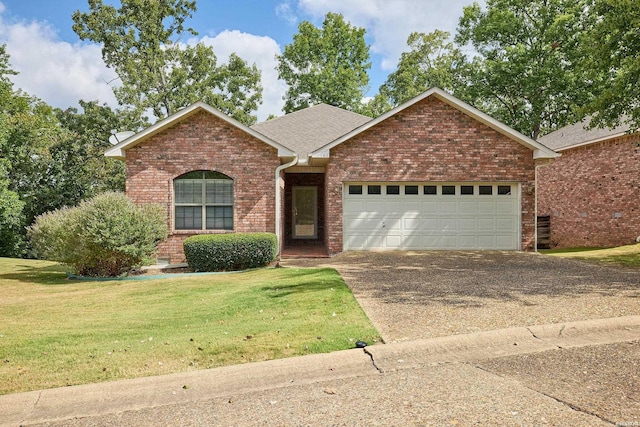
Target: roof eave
point(118, 151)
point(540, 150)
point(594, 141)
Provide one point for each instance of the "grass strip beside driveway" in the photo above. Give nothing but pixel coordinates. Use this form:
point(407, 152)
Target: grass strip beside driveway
point(627, 256)
point(57, 332)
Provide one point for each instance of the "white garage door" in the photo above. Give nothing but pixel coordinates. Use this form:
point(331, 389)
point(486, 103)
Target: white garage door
point(385, 216)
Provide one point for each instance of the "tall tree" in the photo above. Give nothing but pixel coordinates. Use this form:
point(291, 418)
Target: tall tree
point(432, 60)
point(327, 64)
point(612, 49)
point(525, 73)
point(142, 43)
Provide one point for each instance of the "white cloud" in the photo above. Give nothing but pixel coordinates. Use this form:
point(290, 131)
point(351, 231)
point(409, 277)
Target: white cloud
point(58, 72)
point(62, 73)
point(285, 11)
point(389, 23)
point(260, 50)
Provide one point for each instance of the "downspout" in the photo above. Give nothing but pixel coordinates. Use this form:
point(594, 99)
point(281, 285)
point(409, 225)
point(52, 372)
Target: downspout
point(278, 203)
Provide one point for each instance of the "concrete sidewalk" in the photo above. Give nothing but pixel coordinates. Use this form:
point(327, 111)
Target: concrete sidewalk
point(375, 373)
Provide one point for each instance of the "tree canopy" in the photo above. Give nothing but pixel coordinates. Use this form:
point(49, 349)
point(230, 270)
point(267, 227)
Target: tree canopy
point(327, 64)
point(432, 61)
point(612, 49)
point(526, 72)
point(160, 72)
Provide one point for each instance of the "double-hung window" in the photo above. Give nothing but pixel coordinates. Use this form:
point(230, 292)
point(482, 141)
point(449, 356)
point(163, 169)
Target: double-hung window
point(203, 201)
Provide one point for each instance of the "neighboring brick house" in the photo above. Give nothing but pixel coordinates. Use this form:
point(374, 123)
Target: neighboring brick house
point(592, 192)
point(433, 173)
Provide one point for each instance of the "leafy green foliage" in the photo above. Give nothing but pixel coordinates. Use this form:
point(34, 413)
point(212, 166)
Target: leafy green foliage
point(142, 42)
point(325, 65)
point(612, 49)
point(432, 61)
point(526, 74)
point(229, 252)
point(11, 218)
point(105, 236)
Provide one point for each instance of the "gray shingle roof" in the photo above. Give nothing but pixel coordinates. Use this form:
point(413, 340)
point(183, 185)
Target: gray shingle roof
point(576, 134)
point(306, 130)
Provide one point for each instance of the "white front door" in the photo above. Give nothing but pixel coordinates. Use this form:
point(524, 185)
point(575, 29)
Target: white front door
point(424, 216)
point(305, 212)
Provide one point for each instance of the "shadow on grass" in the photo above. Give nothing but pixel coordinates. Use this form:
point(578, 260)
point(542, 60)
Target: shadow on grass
point(316, 280)
point(49, 275)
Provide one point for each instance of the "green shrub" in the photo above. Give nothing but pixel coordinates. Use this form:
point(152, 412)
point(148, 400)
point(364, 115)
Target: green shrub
point(106, 236)
point(229, 252)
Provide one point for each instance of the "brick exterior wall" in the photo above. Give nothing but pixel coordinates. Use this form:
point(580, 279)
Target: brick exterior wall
point(204, 142)
point(592, 194)
point(429, 141)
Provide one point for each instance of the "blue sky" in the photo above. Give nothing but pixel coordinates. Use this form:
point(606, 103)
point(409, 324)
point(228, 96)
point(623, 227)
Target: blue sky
point(60, 69)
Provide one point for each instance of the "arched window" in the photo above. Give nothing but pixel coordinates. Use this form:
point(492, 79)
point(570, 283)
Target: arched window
point(203, 195)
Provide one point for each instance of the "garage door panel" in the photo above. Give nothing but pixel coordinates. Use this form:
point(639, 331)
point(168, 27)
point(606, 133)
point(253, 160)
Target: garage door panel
point(486, 207)
point(467, 241)
point(506, 207)
point(449, 207)
point(467, 224)
point(449, 224)
point(412, 224)
point(430, 224)
point(486, 224)
point(430, 207)
point(432, 221)
point(486, 241)
point(505, 224)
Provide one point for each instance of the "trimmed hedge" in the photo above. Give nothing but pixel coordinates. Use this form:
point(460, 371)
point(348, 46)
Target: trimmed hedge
point(230, 252)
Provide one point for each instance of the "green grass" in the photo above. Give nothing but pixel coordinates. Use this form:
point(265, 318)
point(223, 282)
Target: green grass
point(58, 332)
point(628, 256)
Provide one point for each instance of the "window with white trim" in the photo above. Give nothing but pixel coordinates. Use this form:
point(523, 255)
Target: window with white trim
point(203, 201)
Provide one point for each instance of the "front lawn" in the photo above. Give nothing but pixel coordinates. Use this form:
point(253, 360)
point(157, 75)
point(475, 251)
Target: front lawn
point(58, 332)
point(628, 256)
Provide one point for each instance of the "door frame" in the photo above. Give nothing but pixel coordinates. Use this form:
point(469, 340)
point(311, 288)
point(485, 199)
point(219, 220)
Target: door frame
point(293, 211)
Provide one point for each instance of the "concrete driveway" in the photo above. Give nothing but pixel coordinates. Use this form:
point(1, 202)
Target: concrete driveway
point(413, 295)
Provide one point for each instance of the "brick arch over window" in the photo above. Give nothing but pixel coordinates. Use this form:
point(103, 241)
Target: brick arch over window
point(203, 200)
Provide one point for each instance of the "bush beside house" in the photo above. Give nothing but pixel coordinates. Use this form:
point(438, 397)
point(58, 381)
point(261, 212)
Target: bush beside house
point(106, 236)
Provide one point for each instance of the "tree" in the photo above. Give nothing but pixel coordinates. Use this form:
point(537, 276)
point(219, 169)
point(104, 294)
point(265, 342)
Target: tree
point(327, 64)
point(142, 43)
point(89, 172)
point(525, 73)
point(613, 49)
point(432, 61)
point(376, 106)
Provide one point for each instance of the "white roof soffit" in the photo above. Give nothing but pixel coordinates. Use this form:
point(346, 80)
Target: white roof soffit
point(119, 150)
point(540, 151)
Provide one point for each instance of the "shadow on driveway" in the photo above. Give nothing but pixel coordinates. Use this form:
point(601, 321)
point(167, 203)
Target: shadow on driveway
point(436, 293)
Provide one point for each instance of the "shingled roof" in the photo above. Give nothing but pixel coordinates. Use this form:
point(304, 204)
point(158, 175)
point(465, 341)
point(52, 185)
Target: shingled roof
point(577, 134)
point(304, 131)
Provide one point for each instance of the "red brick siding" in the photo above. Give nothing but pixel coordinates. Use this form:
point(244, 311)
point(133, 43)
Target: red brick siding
point(204, 142)
point(429, 141)
point(584, 188)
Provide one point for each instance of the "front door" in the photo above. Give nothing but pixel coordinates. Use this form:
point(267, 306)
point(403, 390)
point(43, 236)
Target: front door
point(305, 212)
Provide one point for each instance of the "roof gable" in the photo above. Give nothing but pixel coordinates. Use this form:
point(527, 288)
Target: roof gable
point(539, 150)
point(119, 150)
point(307, 130)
